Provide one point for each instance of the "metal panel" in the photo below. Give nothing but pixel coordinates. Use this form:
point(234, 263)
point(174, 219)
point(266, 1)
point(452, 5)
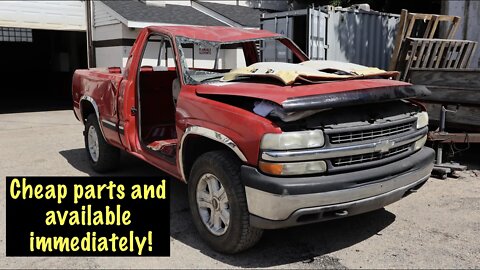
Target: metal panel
point(51, 15)
point(282, 23)
point(317, 34)
point(340, 34)
point(361, 37)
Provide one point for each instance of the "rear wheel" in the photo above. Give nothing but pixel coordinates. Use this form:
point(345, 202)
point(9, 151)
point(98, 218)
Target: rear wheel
point(218, 203)
point(102, 156)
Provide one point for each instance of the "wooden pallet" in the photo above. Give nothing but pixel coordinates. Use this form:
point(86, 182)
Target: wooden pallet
point(416, 25)
point(422, 53)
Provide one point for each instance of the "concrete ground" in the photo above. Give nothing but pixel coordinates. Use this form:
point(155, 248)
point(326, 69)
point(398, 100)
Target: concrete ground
point(438, 227)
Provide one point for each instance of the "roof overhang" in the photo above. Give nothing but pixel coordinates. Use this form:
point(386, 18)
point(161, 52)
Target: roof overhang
point(143, 24)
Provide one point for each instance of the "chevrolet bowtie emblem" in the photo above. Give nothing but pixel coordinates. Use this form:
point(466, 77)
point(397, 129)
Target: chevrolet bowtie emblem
point(384, 146)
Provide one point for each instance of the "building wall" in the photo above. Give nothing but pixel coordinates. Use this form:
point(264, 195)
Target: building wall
point(108, 41)
point(48, 15)
point(469, 29)
point(101, 15)
point(109, 56)
point(112, 39)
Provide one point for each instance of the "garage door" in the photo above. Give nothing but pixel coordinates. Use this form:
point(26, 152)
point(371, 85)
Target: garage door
point(37, 67)
point(47, 15)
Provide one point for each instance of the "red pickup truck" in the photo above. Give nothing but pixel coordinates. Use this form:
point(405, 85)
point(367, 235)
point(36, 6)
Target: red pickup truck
point(261, 144)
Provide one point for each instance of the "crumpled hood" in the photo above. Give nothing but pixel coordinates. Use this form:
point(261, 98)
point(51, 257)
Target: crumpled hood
point(318, 96)
point(309, 71)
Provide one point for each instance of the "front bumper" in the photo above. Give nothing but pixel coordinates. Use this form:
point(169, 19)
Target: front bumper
point(276, 202)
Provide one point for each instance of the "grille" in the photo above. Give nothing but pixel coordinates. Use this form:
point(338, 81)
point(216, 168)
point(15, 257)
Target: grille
point(357, 159)
point(364, 135)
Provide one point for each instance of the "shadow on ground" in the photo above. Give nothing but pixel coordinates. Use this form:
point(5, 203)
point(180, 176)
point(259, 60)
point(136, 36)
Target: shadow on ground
point(309, 244)
point(33, 103)
point(129, 165)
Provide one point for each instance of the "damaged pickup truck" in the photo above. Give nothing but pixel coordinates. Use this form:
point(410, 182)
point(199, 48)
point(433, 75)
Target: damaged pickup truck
point(261, 145)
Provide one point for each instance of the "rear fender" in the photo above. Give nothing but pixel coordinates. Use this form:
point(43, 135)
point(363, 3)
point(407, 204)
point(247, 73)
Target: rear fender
point(91, 101)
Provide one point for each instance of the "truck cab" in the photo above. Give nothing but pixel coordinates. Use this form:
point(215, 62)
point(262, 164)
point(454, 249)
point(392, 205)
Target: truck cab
point(260, 144)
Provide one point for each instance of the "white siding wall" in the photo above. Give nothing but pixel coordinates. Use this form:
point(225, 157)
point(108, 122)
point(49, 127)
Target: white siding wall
point(106, 32)
point(51, 15)
point(113, 56)
point(118, 55)
point(101, 16)
point(110, 56)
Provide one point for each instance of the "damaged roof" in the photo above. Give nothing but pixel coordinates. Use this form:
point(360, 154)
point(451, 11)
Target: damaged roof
point(249, 17)
point(170, 14)
point(214, 33)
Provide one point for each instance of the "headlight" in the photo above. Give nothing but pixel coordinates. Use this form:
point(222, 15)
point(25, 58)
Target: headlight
point(422, 120)
point(293, 140)
point(420, 143)
point(311, 167)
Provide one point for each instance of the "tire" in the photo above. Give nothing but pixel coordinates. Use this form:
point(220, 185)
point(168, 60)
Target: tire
point(106, 157)
point(209, 173)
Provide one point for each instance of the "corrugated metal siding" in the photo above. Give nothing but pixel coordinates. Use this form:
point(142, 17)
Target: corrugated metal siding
point(101, 16)
point(272, 50)
point(51, 15)
point(361, 37)
point(282, 23)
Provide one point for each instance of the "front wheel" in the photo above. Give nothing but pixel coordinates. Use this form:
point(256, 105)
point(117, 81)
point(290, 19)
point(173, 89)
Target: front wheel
point(218, 203)
point(102, 156)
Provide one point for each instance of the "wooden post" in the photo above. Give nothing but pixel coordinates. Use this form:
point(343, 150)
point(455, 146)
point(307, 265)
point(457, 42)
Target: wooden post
point(398, 40)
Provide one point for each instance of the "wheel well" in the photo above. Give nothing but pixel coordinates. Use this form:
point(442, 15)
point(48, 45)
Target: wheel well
point(194, 146)
point(86, 108)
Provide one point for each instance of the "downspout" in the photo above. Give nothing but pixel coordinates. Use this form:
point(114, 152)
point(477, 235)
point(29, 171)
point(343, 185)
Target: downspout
point(90, 49)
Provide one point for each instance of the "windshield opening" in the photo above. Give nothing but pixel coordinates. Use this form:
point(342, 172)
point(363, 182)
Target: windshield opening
point(206, 61)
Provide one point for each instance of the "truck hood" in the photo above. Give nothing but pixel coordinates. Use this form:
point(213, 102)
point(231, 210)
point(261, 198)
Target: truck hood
point(318, 96)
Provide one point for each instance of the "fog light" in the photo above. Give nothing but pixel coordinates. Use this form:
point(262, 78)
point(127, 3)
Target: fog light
point(298, 168)
point(420, 143)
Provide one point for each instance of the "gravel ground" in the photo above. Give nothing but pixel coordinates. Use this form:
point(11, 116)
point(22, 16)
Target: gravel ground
point(438, 227)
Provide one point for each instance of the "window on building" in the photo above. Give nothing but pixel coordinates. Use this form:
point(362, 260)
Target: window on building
point(10, 34)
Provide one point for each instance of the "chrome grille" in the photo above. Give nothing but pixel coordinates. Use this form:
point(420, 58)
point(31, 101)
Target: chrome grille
point(364, 135)
point(357, 159)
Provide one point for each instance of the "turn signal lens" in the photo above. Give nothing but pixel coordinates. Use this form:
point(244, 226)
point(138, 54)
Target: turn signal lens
point(311, 167)
point(420, 143)
point(271, 168)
